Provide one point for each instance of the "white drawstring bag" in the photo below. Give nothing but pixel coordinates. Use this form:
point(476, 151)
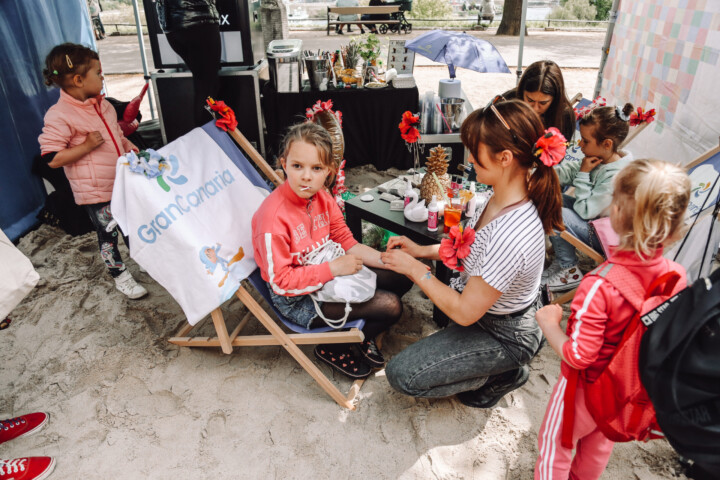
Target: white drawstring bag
point(357, 288)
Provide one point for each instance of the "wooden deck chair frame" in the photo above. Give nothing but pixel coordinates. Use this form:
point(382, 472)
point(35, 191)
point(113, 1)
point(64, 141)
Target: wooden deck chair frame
point(289, 341)
point(598, 257)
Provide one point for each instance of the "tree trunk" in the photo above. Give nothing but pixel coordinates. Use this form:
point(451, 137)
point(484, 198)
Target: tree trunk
point(512, 14)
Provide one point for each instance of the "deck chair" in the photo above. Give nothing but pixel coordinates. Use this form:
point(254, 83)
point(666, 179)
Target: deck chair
point(211, 142)
point(702, 218)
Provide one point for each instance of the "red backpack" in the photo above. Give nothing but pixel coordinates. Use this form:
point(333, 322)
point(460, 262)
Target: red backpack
point(617, 400)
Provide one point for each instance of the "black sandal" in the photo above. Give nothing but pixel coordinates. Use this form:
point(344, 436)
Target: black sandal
point(372, 354)
point(341, 358)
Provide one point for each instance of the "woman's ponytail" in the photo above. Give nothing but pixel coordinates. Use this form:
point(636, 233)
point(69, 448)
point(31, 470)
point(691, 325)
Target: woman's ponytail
point(544, 191)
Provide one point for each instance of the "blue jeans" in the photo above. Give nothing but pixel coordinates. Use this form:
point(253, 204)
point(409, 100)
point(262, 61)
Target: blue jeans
point(458, 359)
point(577, 226)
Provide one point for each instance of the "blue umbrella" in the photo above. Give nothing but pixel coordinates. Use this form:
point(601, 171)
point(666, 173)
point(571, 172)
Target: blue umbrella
point(459, 50)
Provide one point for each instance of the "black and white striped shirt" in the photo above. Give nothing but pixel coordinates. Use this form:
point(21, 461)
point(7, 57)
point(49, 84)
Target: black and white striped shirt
point(508, 253)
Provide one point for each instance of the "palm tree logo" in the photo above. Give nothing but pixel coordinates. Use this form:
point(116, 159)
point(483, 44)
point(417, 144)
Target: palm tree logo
point(172, 176)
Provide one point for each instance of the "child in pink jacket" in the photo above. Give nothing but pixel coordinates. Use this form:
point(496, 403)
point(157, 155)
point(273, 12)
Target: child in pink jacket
point(82, 135)
point(647, 210)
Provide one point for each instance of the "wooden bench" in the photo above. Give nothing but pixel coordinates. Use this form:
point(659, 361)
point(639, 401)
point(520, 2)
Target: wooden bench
point(360, 11)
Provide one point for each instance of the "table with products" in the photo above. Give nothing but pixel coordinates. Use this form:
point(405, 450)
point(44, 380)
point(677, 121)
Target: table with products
point(370, 119)
point(378, 212)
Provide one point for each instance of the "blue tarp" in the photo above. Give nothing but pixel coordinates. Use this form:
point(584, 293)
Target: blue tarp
point(28, 31)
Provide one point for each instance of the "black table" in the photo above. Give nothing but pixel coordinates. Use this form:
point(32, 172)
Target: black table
point(378, 212)
point(370, 119)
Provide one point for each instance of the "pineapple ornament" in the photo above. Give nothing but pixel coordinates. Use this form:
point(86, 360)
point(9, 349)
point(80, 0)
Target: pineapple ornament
point(437, 163)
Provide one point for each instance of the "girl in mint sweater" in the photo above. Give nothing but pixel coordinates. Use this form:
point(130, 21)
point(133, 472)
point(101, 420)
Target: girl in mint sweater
point(602, 130)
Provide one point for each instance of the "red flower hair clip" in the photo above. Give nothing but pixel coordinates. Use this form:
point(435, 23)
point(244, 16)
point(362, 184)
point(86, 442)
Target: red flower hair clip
point(636, 118)
point(456, 247)
point(227, 120)
point(408, 131)
point(550, 148)
point(321, 106)
point(587, 109)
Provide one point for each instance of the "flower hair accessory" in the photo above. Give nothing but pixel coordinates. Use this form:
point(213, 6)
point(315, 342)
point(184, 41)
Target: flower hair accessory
point(456, 247)
point(227, 120)
point(636, 118)
point(587, 109)
point(550, 148)
point(621, 115)
point(321, 106)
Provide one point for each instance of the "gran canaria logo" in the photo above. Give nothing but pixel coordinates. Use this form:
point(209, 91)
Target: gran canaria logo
point(172, 176)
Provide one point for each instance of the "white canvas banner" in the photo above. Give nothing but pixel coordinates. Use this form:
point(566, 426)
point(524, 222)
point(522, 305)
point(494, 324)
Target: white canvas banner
point(190, 228)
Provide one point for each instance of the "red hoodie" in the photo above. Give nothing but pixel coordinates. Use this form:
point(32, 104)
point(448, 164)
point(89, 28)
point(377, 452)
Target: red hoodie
point(601, 314)
point(286, 228)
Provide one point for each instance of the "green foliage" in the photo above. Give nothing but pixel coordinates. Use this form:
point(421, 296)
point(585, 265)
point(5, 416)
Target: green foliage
point(431, 9)
point(368, 45)
point(603, 9)
point(574, 10)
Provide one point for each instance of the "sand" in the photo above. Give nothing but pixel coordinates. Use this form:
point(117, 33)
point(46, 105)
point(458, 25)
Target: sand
point(126, 404)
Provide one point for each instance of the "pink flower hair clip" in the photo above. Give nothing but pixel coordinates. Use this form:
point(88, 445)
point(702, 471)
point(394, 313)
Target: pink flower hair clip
point(636, 118)
point(587, 109)
point(550, 148)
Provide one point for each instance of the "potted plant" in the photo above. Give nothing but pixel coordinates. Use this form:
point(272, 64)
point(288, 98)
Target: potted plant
point(369, 50)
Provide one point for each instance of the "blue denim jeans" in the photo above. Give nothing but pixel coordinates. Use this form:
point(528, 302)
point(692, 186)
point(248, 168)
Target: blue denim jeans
point(577, 226)
point(458, 359)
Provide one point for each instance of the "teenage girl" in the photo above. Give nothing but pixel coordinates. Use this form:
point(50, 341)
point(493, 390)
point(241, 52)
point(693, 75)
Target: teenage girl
point(602, 130)
point(483, 354)
point(82, 135)
point(543, 88)
point(647, 212)
point(299, 217)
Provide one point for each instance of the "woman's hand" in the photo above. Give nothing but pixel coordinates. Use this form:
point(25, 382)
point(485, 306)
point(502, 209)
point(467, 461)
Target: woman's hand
point(404, 244)
point(403, 263)
point(346, 265)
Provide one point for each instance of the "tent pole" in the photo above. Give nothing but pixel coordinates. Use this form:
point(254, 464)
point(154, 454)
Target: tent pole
point(141, 41)
point(523, 16)
point(606, 46)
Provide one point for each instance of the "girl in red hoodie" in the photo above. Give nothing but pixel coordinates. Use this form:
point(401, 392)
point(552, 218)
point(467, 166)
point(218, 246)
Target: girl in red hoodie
point(647, 212)
point(298, 218)
point(82, 135)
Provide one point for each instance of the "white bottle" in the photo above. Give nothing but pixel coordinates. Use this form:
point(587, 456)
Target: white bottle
point(433, 215)
point(408, 191)
point(472, 203)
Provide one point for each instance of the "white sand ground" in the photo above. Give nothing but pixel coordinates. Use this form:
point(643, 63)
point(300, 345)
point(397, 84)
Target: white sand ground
point(125, 404)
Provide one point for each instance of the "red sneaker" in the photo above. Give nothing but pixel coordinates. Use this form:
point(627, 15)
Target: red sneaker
point(22, 426)
point(27, 468)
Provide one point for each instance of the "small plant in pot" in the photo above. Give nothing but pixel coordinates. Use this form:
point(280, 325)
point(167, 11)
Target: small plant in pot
point(369, 51)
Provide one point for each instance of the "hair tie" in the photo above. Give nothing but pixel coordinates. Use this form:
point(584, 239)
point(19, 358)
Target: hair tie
point(55, 72)
point(621, 115)
point(69, 62)
point(550, 148)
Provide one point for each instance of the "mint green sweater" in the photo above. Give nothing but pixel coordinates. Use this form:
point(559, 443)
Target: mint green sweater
point(593, 190)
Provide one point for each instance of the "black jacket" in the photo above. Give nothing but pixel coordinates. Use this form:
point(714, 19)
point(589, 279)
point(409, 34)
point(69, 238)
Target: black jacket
point(179, 14)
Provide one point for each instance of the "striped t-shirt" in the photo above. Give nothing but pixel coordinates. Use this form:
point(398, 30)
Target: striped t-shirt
point(508, 253)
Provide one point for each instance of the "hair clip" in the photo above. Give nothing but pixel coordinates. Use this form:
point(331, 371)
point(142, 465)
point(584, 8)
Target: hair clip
point(550, 148)
point(69, 62)
point(621, 115)
point(55, 72)
point(587, 110)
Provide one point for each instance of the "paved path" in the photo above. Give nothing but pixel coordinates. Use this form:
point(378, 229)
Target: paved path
point(120, 54)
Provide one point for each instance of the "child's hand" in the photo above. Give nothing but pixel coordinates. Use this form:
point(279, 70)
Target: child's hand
point(548, 316)
point(346, 265)
point(589, 163)
point(94, 140)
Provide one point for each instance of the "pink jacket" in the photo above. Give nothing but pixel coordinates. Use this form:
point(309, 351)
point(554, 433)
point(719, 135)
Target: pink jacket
point(601, 314)
point(286, 228)
point(67, 124)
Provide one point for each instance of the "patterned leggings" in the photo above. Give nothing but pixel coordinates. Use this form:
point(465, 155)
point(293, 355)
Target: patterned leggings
point(100, 217)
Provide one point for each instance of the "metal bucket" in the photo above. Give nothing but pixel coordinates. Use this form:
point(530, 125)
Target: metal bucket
point(452, 110)
point(316, 69)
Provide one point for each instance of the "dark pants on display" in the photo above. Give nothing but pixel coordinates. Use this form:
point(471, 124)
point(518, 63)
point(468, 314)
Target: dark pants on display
point(199, 47)
point(100, 217)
